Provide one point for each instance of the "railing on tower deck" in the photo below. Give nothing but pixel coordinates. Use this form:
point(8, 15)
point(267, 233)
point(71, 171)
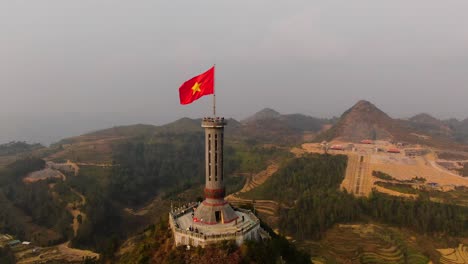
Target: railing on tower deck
point(175, 227)
point(176, 212)
point(214, 119)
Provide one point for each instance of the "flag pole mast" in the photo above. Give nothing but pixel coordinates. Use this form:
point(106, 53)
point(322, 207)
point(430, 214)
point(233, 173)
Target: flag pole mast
point(214, 93)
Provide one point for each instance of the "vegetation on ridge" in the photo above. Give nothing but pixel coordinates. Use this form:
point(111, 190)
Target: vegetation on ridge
point(313, 202)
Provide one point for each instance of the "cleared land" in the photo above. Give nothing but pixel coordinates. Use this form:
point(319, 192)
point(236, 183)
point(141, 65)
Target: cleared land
point(364, 159)
point(403, 168)
point(43, 175)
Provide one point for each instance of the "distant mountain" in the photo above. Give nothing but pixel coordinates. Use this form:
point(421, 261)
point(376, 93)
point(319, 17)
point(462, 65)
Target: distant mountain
point(124, 131)
point(451, 129)
point(266, 126)
point(297, 122)
point(182, 125)
point(266, 113)
point(459, 128)
point(429, 124)
point(17, 147)
point(363, 121)
point(272, 127)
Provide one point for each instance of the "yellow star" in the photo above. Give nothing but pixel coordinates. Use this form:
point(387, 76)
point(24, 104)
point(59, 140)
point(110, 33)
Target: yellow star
point(196, 88)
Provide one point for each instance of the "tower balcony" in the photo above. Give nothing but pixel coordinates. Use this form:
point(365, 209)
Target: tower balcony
point(213, 122)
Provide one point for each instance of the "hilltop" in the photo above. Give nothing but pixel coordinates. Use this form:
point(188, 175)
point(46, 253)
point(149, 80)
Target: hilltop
point(362, 121)
point(366, 121)
point(266, 126)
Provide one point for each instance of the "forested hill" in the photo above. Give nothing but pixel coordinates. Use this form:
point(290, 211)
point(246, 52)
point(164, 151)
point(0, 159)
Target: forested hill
point(29, 211)
point(313, 202)
point(261, 127)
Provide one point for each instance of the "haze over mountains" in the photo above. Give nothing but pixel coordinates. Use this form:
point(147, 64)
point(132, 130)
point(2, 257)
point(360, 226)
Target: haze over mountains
point(363, 120)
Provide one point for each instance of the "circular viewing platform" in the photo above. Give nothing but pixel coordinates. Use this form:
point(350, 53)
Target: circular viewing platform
point(188, 232)
point(213, 122)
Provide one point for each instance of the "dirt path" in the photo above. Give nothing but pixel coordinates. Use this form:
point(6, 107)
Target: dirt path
point(443, 170)
point(260, 178)
point(268, 208)
point(44, 174)
point(256, 180)
point(74, 166)
point(104, 165)
point(74, 211)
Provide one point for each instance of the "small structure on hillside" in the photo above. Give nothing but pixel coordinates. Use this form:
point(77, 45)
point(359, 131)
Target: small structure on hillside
point(214, 219)
point(393, 150)
point(13, 243)
point(337, 147)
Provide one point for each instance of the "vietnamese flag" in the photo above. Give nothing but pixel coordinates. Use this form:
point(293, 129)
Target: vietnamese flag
point(197, 87)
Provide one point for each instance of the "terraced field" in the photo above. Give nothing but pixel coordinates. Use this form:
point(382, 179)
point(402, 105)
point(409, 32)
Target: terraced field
point(456, 255)
point(259, 178)
point(364, 243)
point(267, 209)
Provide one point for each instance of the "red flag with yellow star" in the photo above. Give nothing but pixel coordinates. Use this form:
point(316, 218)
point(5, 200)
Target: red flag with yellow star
point(197, 87)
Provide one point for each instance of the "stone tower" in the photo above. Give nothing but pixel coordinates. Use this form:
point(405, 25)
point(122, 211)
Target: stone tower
point(214, 209)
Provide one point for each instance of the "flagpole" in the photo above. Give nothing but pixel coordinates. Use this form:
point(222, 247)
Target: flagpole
point(214, 93)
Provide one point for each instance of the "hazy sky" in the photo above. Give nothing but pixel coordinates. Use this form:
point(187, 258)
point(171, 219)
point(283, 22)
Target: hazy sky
point(116, 62)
